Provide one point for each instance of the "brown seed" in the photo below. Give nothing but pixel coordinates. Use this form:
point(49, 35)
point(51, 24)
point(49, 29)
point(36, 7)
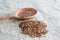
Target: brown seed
point(33, 28)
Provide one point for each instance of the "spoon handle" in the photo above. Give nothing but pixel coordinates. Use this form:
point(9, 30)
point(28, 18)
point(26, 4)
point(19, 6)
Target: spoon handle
point(6, 18)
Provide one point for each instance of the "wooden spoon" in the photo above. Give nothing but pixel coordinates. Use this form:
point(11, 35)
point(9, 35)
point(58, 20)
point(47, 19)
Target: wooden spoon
point(24, 13)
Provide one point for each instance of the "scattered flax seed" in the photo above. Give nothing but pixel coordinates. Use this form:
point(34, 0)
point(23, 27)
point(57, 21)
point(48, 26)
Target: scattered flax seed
point(33, 28)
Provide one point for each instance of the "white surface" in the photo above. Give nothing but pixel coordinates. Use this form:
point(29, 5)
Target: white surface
point(49, 10)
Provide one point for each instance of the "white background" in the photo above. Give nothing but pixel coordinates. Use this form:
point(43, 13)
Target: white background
point(48, 11)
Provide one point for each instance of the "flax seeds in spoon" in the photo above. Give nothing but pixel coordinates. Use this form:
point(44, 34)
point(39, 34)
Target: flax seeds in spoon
point(24, 13)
